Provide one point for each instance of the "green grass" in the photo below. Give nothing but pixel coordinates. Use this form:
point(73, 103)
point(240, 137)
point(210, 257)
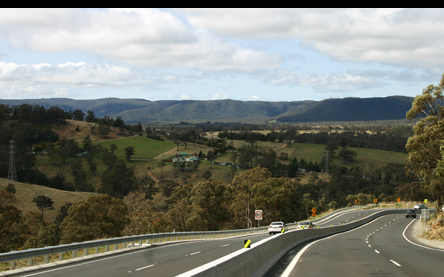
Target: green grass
point(144, 148)
point(365, 156)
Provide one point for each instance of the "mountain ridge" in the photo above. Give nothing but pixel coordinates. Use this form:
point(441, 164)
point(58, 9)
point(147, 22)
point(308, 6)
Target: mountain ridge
point(133, 110)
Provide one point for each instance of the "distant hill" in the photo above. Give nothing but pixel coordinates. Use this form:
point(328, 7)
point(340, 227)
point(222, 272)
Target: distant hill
point(351, 109)
point(139, 110)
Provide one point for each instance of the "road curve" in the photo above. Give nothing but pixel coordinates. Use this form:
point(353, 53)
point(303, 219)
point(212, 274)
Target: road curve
point(379, 248)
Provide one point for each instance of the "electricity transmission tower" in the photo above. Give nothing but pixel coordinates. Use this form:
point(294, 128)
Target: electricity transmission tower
point(326, 161)
point(12, 173)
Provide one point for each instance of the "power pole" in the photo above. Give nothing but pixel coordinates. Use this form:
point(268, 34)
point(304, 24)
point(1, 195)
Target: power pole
point(12, 173)
point(326, 161)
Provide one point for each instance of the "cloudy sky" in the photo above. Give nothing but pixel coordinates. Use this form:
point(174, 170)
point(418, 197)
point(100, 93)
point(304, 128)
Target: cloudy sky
point(209, 54)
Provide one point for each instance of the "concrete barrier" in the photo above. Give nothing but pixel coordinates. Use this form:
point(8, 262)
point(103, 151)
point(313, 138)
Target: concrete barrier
point(258, 259)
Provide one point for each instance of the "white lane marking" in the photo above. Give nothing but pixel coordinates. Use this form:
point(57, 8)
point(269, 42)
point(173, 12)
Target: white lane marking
point(107, 257)
point(369, 245)
point(395, 263)
point(225, 245)
point(194, 253)
point(426, 247)
point(295, 260)
point(376, 251)
point(144, 267)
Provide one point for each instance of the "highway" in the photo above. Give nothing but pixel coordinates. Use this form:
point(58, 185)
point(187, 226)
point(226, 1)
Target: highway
point(177, 258)
point(383, 247)
point(161, 260)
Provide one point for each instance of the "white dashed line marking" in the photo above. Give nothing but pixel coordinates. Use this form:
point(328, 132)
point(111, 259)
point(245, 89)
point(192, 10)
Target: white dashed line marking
point(395, 263)
point(376, 251)
point(194, 253)
point(144, 267)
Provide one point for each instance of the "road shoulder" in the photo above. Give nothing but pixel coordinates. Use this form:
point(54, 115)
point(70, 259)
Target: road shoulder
point(417, 229)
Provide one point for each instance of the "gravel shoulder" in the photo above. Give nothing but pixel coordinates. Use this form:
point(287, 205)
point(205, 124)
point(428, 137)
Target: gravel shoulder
point(417, 229)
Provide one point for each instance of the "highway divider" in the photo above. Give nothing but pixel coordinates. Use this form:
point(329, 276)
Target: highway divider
point(134, 241)
point(261, 256)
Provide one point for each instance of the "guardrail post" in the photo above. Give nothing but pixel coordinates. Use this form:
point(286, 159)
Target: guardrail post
point(46, 259)
point(60, 256)
point(30, 262)
point(86, 252)
point(140, 243)
point(116, 246)
point(124, 245)
point(106, 248)
point(97, 250)
point(74, 254)
point(12, 265)
point(132, 244)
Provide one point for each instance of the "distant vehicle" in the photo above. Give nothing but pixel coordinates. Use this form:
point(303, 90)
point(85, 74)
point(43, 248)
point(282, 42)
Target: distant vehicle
point(305, 225)
point(410, 213)
point(420, 207)
point(276, 227)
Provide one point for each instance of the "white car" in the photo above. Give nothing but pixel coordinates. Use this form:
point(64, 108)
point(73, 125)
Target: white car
point(305, 225)
point(420, 207)
point(276, 227)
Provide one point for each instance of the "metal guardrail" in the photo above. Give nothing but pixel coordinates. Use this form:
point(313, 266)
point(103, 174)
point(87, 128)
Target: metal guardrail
point(29, 254)
point(149, 238)
point(257, 260)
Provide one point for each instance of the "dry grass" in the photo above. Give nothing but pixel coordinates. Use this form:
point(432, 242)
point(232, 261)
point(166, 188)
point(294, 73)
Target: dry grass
point(67, 131)
point(26, 192)
point(436, 225)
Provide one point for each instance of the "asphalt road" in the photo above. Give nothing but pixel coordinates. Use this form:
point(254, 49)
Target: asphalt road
point(162, 260)
point(177, 258)
point(383, 247)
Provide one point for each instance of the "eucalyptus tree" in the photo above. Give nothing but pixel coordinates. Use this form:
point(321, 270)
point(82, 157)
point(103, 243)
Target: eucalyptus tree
point(425, 148)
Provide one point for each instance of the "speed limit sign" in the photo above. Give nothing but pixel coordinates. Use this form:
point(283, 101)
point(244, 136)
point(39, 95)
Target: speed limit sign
point(258, 214)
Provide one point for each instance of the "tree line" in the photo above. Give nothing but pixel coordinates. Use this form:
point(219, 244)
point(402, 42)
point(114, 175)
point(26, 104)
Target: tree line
point(207, 205)
point(389, 139)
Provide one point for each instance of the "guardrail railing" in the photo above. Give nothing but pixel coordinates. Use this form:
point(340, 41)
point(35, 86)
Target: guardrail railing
point(30, 254)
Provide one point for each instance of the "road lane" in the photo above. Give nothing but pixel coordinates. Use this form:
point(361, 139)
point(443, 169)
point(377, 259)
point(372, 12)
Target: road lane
point(170, 259)
point(378, 248)
point(162, 260)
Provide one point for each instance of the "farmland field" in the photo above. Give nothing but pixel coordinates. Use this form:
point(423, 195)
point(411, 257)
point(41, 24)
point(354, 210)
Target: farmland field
point(144, 148)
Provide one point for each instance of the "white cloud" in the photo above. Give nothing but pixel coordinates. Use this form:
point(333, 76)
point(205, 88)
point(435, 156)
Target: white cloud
point(184, 96)
point(147, 37)
point(218, 96)
point(335, 82)
point(406, 37)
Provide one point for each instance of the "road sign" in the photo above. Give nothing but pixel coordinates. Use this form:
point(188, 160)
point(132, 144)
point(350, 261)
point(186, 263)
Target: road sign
point(375, 200)
point(258, 214)
point(398, 200)
point(314, 210)
point(313, 214)
point(357, 200)
point(426, 201)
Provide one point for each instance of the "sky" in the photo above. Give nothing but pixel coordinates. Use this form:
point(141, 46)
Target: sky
point(214, 54)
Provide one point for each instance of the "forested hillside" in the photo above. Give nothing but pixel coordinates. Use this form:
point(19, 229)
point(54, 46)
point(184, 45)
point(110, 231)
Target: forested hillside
point(145, 111)
point(233, 174)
